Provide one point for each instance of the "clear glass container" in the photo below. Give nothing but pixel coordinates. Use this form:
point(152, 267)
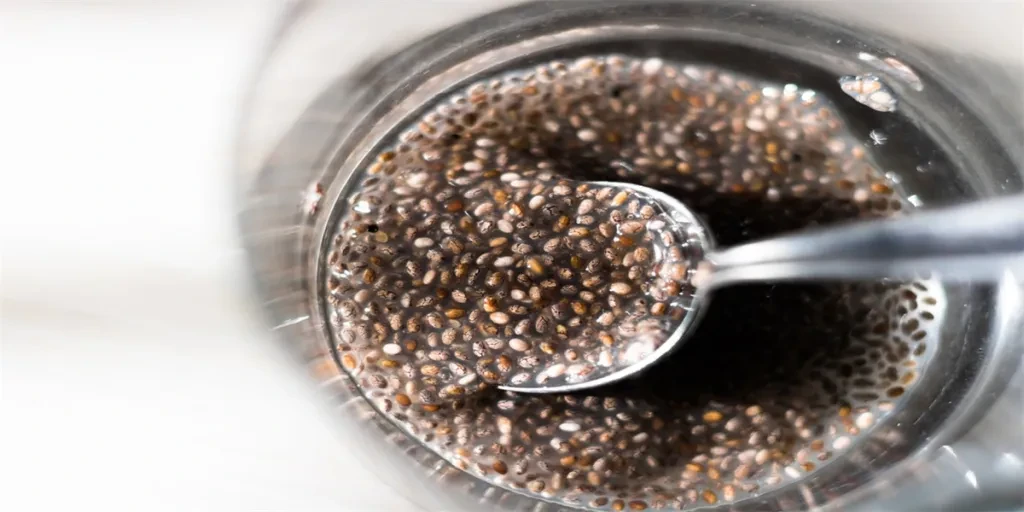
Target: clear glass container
point(340, 76)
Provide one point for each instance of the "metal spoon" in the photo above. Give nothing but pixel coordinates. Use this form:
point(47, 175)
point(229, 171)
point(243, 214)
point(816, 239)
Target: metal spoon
point(983, 241)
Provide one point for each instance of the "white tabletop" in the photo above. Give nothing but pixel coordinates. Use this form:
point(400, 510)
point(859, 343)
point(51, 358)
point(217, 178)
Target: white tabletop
point(133, 376)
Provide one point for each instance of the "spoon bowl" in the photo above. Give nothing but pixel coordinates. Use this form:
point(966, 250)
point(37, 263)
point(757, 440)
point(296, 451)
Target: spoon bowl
point(975, 242)
point(632, 354)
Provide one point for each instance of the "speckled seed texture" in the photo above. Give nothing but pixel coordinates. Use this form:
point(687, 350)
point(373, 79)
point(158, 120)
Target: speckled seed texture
point(472, 247)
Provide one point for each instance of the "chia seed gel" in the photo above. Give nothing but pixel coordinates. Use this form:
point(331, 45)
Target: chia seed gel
point(471, 248)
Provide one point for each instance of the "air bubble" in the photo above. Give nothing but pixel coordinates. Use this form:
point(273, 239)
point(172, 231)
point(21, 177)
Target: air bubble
point(870, 91)
point(895, 68)
point(362, 206)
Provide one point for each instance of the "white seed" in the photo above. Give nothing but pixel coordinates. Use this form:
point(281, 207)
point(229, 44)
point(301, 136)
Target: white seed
point(761, 456)
point(499, 318)
point(536, 202)
point(504, 261)
point(504, 425)
point(620, 288)
point(652, 66)
point(841, 443)
point(423, 242)
point(473, 166)
point(392, 349)
point(746, 456)
point(483, 209)
point(732, 425)
point(417, 179)
point(577, 369)
point(555, 370)
point(587, 135)
point(519, 345)
point(865, 420)
point(585, 207)
point(757, 125)
point(569, 426)
point(882, 101)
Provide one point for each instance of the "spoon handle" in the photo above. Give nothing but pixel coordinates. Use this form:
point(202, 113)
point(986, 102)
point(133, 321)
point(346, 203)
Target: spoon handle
point(981, 241)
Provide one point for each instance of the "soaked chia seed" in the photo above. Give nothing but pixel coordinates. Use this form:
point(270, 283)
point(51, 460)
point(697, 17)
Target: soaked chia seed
point(471, 248)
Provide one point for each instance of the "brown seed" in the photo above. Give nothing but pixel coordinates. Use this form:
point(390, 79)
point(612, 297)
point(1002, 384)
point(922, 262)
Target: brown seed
point(349, 361)
point(454, 313)
point(561, 223)
point(641, 254)
point(403, 400)
point(880, 188)
point(729, 492)
point(712, 416)
point(495, 278)
point(535, 266)
point(579, 308)
point(578, 232)
point(369, 275)
point(709, 496)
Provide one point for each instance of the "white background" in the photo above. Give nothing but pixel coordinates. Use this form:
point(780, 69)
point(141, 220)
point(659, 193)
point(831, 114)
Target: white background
point(133, 375)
